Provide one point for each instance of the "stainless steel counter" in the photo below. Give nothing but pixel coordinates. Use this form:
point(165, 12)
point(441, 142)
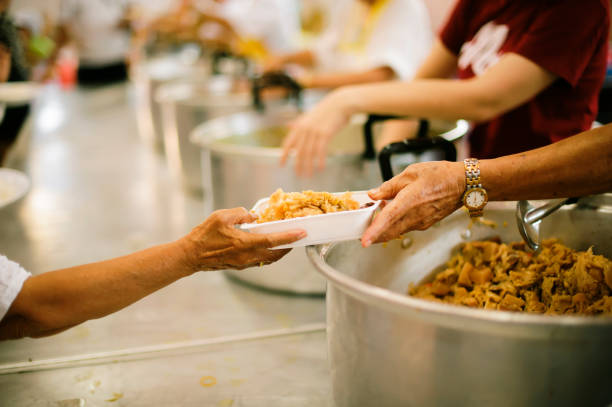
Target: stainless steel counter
point(97, 193)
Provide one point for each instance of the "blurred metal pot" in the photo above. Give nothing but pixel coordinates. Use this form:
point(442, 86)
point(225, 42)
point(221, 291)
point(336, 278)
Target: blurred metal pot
point(389, 349)
point(148, 76)
point(186, 104)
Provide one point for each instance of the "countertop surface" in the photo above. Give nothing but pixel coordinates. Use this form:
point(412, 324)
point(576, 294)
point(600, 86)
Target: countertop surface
point(99, 192)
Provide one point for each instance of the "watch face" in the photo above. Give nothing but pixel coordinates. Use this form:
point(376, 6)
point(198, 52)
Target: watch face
point(475, 199)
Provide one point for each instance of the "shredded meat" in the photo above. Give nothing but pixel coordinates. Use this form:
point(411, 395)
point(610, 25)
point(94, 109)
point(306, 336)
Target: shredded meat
point(287, 205)
point(493, 275)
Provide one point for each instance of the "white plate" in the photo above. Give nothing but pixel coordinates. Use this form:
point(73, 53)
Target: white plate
point(321, 229)
point(13, 186)
point(18, 93)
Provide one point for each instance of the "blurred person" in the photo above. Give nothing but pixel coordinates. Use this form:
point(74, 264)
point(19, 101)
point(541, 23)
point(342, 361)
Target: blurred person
point(36, 30)
point(426, 193)
point(261, 26)
point(52, 302)
point(13, 68)
point(528, 75)
point(100, 31)
point(250, 28)
point(366, 41)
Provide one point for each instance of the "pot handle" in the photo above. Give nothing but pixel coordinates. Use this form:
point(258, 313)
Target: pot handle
point(220, 55)
point(417, 145)
point(368, 132)
point(274, 80)
point(529, 218)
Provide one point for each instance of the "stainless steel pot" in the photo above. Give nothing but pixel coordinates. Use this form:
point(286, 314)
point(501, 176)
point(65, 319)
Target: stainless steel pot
point(186, 104)
point(147, 77)
point(389, 349)
point(240, 160)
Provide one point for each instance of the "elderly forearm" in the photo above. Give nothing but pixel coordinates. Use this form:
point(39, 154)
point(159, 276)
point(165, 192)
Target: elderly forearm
point(577, 166)
point(334, 80)
point(63, 298)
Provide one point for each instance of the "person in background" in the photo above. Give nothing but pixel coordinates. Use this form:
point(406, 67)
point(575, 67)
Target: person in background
point(13, 68)
point(529, 74)
point(261, 26)
point(36, 31)
point(426, 193)
point(249, 28)
point(52, 302)
point(366, 41)
point(100, 31)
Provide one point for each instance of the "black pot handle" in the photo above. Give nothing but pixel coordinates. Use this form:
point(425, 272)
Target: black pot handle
point(368, 132)
point(416, 146)
point(272, 80)
point(220, 55)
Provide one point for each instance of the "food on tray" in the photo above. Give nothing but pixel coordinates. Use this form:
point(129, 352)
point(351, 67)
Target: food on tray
point(288, 205)
point(493, 275)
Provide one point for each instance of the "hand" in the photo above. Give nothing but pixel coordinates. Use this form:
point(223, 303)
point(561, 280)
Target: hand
point(217, 245)
point(422, 195)
point(311, 133)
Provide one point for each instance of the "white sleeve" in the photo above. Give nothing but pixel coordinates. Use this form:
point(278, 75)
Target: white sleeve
point(402, 38)
point(12, 277)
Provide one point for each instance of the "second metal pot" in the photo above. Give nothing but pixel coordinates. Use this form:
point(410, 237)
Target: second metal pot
point(186, 104)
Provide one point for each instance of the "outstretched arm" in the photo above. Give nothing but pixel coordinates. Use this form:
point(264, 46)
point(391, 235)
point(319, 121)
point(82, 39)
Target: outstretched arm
point(334, 80)
point(425, 193)
point(52, 302)
point(509, 83)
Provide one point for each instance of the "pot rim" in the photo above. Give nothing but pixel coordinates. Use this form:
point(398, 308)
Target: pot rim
point(446, 314)
point(207, 135)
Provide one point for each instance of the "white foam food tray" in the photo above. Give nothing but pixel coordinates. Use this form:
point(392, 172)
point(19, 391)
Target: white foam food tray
point(321, 229)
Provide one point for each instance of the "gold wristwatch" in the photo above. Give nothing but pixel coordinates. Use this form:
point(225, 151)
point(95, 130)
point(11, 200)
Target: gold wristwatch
point(475, 197)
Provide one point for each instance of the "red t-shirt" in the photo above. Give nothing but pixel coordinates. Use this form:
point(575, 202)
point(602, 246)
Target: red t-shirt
point(566, 37)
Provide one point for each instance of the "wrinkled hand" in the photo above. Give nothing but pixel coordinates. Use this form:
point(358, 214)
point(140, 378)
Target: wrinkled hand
point(217, 245)
point(422, 195)
point(311, 133)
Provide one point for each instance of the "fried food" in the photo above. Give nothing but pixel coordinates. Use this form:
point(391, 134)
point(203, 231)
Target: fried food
point(288, 205)
point(493, 275)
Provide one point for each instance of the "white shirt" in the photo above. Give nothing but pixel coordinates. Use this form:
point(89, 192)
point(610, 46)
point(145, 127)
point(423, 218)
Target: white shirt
point(273, 22)
point(94, 24)
point(12, 277)
point(399, 36)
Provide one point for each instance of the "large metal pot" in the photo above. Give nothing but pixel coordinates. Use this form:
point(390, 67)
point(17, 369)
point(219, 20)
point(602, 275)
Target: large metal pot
point(148, 76)
point(186, 104)
point(389, 349)
point(240, 159)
